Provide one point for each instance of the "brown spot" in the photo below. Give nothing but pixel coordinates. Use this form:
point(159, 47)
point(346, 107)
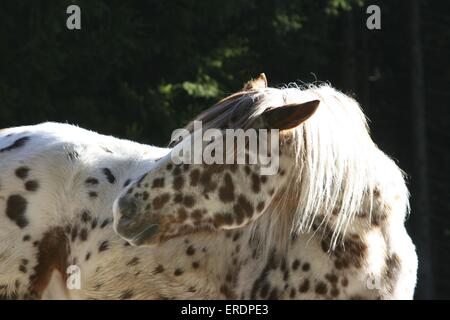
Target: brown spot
point(194, 177)
point(295, 264)
point(133, 262)
point(16, 144)
point(344, 282)
point(109, 176)
point(106, 149)
point(88, 255)
point(22, 172)
point(206, 181)
point(325, 246)
point(227, 292)
point(72, 155)
point(273, 294)
point(127, 294)
point(332, 278)
point(178, 183)
point(218, 220)
point(182, 214)
point(26, 237)
point(176, 171)
point(196, 214)
point(86, 216)
point(190, 250)
point(92, 194)
point(228, 218)
point(321, 288)
point(334, 292)
point(256, 184)
point(195, 264)
point(243, 207)
point(178, 272)
point(355, 236)
point(264, 290)
point(83, 234)
point(104, 223)
point(361, 215)
point(306, 266)
point(169, 166)
point(392, 266)
point(188, 201)
point(91, 181)
point(158, 183)
point(376, 193)
point(103, 246)
point(178, 198)
point(226, 191)
point(16, 206)
point(74, 234)
point(52, 254)
point(375, 220)
point(292, 294)
point(260, 206)
point(158, 269)
point(161, 201)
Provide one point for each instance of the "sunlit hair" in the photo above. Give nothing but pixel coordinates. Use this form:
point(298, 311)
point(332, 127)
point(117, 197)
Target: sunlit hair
point(335, 171)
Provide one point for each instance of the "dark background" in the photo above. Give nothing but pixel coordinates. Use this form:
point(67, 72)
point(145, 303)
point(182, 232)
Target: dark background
point(140, 69)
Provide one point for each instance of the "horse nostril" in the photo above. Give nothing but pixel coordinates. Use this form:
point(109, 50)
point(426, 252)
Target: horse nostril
point(128, 207)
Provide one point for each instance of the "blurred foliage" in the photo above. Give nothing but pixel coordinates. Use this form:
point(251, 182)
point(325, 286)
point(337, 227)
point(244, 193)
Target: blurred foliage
point(139, 69)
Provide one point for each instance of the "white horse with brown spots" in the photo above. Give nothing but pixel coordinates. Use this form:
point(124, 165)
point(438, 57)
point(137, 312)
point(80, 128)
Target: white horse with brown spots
point(329, 224)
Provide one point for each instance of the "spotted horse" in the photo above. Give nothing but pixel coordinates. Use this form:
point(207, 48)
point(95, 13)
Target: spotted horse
point(328, 225)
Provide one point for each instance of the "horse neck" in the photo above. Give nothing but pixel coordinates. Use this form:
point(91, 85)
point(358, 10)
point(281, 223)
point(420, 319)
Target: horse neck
point(193, 266)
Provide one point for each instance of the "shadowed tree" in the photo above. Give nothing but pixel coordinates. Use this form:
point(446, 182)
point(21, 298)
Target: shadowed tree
point(421, 205)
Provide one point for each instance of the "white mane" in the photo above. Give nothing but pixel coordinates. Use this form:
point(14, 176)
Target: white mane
point(337, 164)
point(334, 169)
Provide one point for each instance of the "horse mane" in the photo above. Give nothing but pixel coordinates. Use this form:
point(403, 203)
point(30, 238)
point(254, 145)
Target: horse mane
point(335, 169)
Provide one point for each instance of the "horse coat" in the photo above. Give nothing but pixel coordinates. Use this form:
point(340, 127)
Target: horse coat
point(58, 185)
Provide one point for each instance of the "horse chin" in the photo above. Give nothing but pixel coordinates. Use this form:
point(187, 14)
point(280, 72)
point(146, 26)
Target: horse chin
point(146, 237)
point(135, 233)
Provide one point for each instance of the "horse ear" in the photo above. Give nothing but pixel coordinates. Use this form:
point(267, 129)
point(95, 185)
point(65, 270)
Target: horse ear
point(289, 116)
point(259, 83)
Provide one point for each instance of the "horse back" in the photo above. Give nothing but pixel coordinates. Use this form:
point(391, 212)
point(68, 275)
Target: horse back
point(55, 180)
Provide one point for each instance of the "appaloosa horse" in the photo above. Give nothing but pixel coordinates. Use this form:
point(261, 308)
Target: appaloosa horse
point(328, 225)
